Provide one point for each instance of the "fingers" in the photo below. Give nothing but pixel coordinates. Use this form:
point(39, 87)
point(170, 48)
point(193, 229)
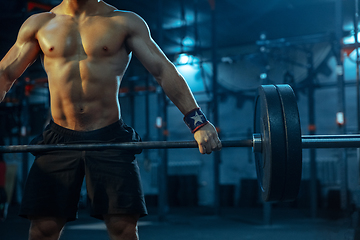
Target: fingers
point(210, 145)
point(202, 149)
point(207, 139)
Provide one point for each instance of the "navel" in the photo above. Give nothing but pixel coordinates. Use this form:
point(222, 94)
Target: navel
point(105, 48)
point(51, 49)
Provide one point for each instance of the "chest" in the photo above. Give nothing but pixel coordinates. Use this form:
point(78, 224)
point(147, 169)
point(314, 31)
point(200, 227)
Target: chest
point(65, 37)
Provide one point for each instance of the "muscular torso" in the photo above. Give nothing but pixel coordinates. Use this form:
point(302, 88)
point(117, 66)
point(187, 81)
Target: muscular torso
point(86, 46)
point(85, 60)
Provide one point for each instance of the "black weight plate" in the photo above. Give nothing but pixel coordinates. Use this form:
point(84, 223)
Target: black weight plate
point(293, 142)
point(271, 162)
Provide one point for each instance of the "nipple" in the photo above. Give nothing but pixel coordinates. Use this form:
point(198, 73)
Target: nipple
point(105, 48)
point(51, 49)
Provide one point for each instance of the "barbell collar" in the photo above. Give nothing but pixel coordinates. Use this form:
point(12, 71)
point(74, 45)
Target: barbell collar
point(257, 142)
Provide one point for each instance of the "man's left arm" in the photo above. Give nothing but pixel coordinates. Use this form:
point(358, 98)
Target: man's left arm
point(174, 85)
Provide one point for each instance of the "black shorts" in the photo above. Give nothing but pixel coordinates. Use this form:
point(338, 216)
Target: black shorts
point(112, 176)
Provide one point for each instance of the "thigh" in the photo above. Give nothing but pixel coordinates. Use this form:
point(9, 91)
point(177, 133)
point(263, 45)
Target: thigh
point(114, 185)
point(53, 185)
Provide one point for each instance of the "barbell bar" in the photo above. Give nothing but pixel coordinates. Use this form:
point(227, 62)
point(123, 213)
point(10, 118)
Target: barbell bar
point(331, 141)
point(308, 141)
point(121, 146)
point(276, 142)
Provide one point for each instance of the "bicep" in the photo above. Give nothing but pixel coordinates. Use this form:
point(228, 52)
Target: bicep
point(145, 49)
point(19, 57)
point(22, 54)
point(149, 55)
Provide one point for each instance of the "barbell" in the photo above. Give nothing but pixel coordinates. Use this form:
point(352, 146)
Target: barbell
point(276, 142)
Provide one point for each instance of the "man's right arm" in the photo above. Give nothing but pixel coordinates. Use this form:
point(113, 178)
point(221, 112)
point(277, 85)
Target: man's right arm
point(22, 54)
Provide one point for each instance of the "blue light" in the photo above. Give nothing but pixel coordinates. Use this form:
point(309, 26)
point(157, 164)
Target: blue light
point(188, 66)
point(192, 75)
point(188, 42)
point(350, 39)
point(183, 59)
point(263, 76)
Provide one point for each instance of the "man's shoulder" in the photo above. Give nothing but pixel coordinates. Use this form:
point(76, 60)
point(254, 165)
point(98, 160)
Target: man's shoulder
point(39, 17)
point(124, 14)
point(36, 21)
point(128, 18)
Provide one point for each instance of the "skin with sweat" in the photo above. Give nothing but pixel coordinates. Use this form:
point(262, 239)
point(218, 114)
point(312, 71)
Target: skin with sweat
point(85, 48)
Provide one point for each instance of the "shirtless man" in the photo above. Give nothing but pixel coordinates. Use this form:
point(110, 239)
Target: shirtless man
point(86, 46)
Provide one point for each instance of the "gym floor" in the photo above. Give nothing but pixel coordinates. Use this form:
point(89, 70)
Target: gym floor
point(200, 223)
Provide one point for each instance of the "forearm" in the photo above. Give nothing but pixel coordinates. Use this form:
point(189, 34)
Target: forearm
point(5, 84)
point(176, 88)
point(178, 91)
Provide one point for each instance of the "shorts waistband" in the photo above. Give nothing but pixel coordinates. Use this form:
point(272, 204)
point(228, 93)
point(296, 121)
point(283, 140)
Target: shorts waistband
point(85, 134)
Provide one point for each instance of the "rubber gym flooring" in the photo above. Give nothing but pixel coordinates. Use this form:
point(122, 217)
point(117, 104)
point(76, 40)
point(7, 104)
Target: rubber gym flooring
point(200, 223)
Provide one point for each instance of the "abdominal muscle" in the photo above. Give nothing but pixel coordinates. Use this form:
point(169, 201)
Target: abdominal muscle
point(84, 95)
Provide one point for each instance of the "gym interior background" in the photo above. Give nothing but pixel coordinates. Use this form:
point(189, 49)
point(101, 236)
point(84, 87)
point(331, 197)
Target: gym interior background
point(225, 49)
